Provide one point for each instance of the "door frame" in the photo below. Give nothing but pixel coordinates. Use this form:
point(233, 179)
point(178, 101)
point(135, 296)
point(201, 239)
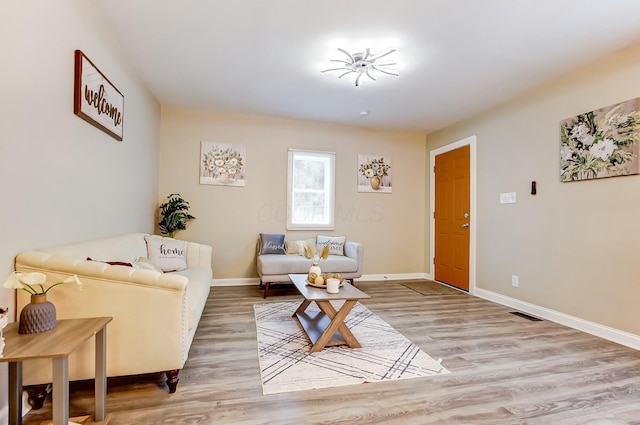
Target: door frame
point(471, 142)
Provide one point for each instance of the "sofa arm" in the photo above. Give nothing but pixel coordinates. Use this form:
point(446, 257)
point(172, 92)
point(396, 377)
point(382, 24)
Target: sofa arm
point(355, 250)
point(198, 255)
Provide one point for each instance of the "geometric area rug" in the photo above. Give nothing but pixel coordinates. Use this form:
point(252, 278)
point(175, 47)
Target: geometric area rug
point(287, 365)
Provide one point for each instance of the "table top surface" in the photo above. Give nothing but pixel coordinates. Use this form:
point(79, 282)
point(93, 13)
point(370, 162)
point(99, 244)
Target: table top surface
point(347, 291)
point(60, 341)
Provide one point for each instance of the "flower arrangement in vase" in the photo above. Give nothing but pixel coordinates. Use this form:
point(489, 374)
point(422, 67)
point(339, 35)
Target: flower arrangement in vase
point(315, 273)
point(39, 315)
point(374, 170)
point(224, 164)
point(599, 143)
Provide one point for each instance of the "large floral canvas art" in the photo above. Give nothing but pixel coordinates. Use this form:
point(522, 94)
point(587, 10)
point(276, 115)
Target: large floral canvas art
point(601, 143)
point(222, 164)
point(374, 174)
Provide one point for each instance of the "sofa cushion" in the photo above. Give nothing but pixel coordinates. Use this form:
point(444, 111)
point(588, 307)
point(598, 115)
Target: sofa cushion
point(167, 253)
point(146, 264)
point(336, 244)
point(272, 243)
point(295, 264)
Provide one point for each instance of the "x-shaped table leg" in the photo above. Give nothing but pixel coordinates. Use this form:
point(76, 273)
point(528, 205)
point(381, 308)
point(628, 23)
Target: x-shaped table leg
point(337, 323)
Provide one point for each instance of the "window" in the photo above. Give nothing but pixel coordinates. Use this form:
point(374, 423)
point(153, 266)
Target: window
point(310, 190)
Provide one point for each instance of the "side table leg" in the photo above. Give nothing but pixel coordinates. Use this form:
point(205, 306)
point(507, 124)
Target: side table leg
point(101, 375)
point(15, 393)
point(60, 391)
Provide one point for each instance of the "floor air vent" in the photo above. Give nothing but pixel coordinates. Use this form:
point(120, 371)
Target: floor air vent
point(526, 316)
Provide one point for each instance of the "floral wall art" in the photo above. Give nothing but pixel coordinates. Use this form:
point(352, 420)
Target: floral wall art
point(222, 164)
point(601, 143)
point(374, 174)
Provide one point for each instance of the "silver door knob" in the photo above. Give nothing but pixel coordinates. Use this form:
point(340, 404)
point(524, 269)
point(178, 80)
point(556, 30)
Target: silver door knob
point(465, 225)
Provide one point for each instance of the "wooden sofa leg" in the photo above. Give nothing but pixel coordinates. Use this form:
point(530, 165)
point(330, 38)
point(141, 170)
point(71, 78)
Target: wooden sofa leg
point(172, 380)
point(266, 289)
point(37, 395)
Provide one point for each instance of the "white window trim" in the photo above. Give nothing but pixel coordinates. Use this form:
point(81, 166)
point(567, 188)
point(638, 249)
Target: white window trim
point(329, 185)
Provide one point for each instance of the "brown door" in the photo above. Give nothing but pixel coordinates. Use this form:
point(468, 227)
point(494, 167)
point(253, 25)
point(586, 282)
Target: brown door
point(452, 220)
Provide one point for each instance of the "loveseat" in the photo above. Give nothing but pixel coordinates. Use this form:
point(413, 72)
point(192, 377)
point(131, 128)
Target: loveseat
point(155, 313)
point(278, 257)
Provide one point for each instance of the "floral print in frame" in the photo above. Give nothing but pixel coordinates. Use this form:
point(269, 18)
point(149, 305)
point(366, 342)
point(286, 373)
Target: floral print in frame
point(601, 143)
point(222, 164)
point(374, 174)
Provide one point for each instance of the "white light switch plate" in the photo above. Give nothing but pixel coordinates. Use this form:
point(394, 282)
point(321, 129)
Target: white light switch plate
point(508, 198)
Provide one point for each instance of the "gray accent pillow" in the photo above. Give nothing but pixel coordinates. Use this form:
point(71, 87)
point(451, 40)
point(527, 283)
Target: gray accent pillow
point(272, 243)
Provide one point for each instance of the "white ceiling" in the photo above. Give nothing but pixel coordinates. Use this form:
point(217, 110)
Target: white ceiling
point(455, 57)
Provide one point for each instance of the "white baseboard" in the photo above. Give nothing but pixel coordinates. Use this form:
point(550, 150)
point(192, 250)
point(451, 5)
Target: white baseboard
point(248, 281)
point(611, 334)
point(391, 276)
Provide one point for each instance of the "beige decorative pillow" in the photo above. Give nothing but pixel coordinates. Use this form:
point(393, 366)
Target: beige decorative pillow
point(295, 247)
point(167, 253)
point(143, 263)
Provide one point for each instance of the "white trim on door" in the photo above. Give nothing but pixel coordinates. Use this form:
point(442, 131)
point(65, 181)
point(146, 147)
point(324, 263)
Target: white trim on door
point(471, 142)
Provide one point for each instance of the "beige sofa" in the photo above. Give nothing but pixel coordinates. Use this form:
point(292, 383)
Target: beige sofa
point(155, 314)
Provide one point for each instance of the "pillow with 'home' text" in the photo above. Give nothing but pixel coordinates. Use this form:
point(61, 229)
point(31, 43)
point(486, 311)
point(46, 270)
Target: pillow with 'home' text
point(167, 253)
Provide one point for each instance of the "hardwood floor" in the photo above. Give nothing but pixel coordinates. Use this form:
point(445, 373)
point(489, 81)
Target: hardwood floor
point(504, 369)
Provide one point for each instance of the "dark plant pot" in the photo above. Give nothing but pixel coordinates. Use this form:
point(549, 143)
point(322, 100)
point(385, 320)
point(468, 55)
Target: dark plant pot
point(38, 316)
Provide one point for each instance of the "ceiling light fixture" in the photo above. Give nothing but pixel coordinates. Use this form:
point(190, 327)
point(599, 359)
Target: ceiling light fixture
point(363, 63)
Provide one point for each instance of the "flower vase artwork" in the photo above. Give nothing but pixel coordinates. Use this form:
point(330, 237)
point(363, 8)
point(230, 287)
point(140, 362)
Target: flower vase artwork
point(315, 272)
point(39, 315)
point(222, 164)
point(601, 143)
point(374, 174)
point(4, 320)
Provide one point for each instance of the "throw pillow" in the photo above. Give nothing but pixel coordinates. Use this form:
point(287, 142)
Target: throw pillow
point(143, 263)
point(295, 247)
point(112, 263)
point(272, 243)
point(167, 253)
point(336, 243)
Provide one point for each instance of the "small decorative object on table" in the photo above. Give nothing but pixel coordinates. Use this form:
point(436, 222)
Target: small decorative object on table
point(315, 273)
point(40, 314)
point(4, 319)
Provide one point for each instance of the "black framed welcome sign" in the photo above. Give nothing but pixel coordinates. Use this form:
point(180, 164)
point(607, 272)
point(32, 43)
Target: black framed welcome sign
point(95, 99)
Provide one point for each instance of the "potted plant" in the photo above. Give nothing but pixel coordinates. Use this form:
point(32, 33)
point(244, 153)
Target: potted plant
point(174, 215)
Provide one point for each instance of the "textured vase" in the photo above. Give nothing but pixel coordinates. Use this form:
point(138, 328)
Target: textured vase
point(314, 272)
point(37, 316)
point(375, 182)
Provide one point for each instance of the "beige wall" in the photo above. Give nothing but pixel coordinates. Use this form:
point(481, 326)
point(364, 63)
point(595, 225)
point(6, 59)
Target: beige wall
point(575, 246)
point(391, 226)
point(61, 179)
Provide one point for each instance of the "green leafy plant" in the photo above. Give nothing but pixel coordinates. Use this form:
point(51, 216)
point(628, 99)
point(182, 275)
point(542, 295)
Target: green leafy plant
point(174, 215)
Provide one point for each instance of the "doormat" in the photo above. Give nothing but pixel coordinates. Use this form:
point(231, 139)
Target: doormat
point(287, 365)
point(429, 287)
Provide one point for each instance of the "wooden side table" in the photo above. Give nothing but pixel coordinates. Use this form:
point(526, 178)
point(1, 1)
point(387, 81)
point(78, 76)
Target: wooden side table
point(56, 344)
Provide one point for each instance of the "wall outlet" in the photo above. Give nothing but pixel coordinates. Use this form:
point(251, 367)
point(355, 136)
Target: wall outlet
point(514, 281)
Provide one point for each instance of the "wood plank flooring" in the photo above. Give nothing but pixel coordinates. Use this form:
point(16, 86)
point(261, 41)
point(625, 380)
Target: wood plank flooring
point(504, 369)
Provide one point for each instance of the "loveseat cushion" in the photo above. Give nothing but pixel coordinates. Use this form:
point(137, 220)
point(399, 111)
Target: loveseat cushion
point(271, 264)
